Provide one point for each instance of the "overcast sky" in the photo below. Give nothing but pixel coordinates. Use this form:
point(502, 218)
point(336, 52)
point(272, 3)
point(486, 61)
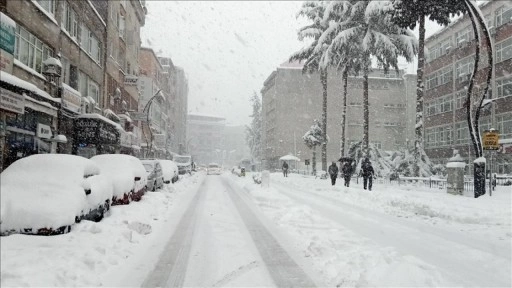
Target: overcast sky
point(226, 48)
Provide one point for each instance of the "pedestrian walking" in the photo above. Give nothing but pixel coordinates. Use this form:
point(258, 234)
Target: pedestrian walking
point(368, 174)
point(285, 169)
point(347, 171)
point(494, 182)
point(333, 172)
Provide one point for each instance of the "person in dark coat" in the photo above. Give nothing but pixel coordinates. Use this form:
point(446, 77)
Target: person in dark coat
point(285, 169)
point(368, 173)
point(347, 172)
point(333, 172)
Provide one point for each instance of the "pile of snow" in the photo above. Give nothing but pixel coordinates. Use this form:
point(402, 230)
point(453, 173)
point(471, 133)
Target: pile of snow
point(47, 191)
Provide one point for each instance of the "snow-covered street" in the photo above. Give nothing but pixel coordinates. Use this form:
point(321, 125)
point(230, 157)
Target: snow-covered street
point(217, 231)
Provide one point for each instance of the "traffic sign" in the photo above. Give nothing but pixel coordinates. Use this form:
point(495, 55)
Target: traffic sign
point(491, 140)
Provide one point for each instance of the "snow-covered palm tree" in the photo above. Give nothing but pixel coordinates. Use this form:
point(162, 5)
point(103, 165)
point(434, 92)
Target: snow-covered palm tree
point(367, 27)
point(314, 137)
point(314, 55)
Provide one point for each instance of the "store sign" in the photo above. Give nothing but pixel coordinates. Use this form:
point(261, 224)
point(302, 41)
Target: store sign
point(491, 140)
point(71, 99)
point(131, 80)
point(160, 140)
point(43, 131)
point(95, 131)
point(7, 39)
point(11, 101)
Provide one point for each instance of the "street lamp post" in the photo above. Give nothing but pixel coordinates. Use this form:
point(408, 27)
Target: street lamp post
point(146, 110)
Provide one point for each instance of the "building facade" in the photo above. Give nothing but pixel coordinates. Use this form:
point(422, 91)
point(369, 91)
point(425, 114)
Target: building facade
point(74, 42)
point(181, 112)
point(205, 138)
point(450, 63)
point(292, 100)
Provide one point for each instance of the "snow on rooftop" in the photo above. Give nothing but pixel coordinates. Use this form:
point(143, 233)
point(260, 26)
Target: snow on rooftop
point(480, 160)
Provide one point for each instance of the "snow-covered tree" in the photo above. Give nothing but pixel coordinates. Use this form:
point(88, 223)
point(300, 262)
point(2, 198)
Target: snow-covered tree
point(382, 166)
point(253, 132)
point(407, 14)
point(313, 55)
point(367, 26)
point(314, 137)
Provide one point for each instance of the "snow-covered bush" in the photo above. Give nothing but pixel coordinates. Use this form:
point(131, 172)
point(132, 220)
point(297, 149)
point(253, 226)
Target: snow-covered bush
point(382, 166)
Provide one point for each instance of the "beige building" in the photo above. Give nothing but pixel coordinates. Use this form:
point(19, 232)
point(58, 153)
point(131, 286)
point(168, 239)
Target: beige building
point(292, 100)
point(181, 111)
point(205, 138)
point(448, 68)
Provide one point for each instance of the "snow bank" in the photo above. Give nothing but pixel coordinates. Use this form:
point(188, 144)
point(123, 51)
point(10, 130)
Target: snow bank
point(44, 190)
point(456, 165)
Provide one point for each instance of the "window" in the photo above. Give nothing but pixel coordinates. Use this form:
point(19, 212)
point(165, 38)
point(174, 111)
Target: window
point(88, 87)
point(461, 133)
point(84, 38)
point(445, 75)
point(90, 44)
point(503, 16)
point(70, 21)
point(484, 124)
point(65, 70)
point(48, 5)
point(29, 50)
point(445, 104)
point(504, 123)
point(504, 87)
point(464, 68)
point(122, 29)
point(377, 144)
point(463, 36)
point(504, 50)
point(443, 135)
point(430, 137)
point(460, 99)
point(445, 46)
point(432, 81)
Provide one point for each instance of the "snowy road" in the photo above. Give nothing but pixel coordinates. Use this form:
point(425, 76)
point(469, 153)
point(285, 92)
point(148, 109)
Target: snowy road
point(220, 241)
point(460, 258)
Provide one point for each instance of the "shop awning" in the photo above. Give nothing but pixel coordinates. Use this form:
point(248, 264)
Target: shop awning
point(40, 106)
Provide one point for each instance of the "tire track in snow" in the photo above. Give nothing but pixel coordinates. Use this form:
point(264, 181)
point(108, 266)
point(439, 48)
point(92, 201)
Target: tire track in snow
point(171, 267)
point(281, 267)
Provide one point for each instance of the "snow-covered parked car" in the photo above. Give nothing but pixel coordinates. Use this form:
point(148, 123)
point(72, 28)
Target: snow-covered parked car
point(170, 171)
point(154, 174)
point(127, 175)
point(46, 194)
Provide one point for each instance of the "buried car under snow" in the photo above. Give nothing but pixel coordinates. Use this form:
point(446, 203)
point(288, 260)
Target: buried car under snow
point(127, 175)
point(169, 170)
point(47, 193)
point(154, 174)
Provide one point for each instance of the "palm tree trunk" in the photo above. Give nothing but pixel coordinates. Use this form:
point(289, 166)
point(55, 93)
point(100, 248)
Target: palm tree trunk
point(323, 79)
point(314, 160)
point(418, 145)
point(366, 112)
point(344, 112)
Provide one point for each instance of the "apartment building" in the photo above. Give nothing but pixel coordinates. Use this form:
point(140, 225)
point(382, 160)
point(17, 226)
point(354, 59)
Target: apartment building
point(205, 138)
point(291, 101)
point(450, 62)
point(180, 118)
point(50, 100)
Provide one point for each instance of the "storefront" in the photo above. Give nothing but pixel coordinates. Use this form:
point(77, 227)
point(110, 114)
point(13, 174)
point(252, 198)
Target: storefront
point(94, 135)
point(71, 107)
point(28, 119)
